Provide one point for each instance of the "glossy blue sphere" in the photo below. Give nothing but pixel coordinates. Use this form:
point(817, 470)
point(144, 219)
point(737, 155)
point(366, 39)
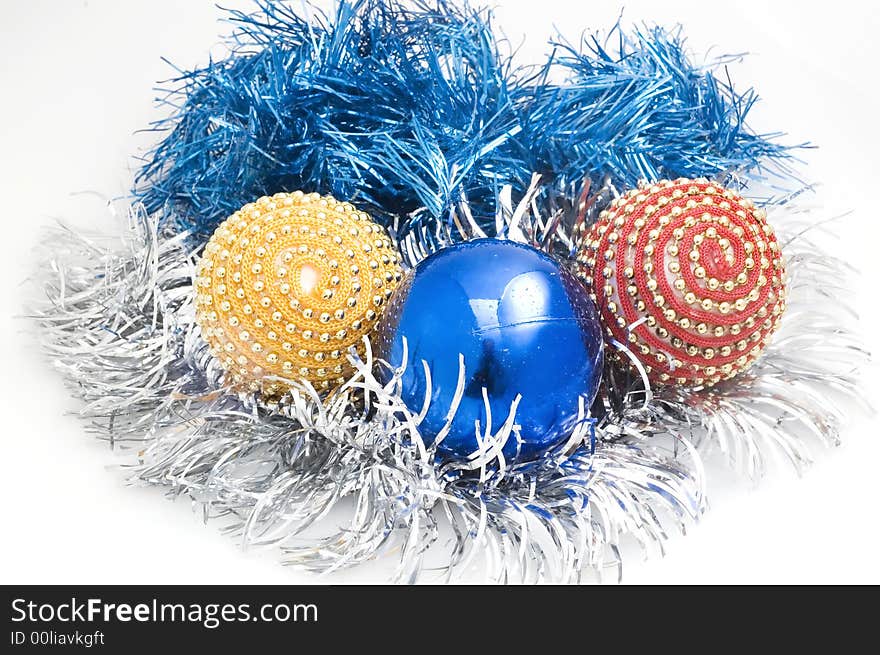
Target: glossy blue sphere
point(524, 326)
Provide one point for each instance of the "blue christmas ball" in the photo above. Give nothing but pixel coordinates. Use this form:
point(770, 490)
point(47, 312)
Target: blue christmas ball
point(524, 326)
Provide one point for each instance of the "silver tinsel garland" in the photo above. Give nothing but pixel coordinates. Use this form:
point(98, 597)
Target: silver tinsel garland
point(118, 324)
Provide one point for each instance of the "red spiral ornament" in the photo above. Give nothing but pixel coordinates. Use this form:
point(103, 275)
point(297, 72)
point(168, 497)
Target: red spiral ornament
point(689, 275)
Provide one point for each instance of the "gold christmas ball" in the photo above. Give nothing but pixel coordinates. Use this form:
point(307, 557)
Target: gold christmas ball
point(689, 276)
point(288, 284)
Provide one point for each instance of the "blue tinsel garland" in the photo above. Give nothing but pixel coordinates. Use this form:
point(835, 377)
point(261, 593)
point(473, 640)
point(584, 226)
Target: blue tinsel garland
point(406, 108)
point(641, 110)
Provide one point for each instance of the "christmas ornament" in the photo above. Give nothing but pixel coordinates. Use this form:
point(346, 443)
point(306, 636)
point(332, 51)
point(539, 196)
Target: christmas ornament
point(690, 275)
point(495, 331)
point(413, 111)
point(288, 284)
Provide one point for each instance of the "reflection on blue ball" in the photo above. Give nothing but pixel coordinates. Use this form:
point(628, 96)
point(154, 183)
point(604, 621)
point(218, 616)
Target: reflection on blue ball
point(524, 326)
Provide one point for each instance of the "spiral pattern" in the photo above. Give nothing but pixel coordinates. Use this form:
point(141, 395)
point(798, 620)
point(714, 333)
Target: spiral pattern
point(288, 284)
point(689, 275)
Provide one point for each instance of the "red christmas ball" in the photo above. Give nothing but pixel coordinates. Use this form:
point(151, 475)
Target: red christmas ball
point(689, 276)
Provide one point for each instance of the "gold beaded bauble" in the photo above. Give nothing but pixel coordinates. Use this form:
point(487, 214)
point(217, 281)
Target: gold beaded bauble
point(689, 275)
point(288, 284)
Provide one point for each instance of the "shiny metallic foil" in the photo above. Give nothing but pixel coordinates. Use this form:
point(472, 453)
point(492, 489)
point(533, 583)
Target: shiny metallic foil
point(119, 326)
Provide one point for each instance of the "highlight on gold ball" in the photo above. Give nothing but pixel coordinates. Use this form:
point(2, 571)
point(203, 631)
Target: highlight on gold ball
point(287, 285)
point(689, 276)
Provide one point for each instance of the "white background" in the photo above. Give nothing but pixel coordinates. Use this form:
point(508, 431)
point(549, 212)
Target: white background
point(76, 79)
